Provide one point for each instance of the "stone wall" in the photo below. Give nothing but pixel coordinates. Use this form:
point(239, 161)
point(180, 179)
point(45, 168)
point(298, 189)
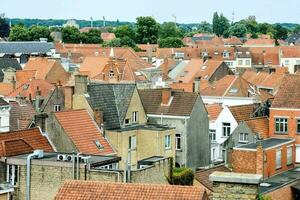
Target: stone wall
point(234, 191)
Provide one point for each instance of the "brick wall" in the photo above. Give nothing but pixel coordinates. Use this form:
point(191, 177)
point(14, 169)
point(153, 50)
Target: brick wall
point(244, 161)
point(284, 193)
point(234, 191)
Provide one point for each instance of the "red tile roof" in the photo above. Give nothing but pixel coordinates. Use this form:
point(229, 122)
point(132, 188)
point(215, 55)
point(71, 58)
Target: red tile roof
point(259, 125)
point(107, 36)
point(87, 190)
point(213, 110)
point(41, 65)
point(23, 141)
point(83, 131)
point(5, 88)
point(242, 112)
point(288, 94)
point(260, 42)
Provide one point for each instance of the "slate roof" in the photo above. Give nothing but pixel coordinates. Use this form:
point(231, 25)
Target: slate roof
point(86, 190)
point(242, 112)
point(113, 100)
point(267, 143)
point(182, 103)
point(6, 63)
point(23, 141)
point(83, 131)
point(20, 115)
point(3, 102)
point(26, 47)
point(202, 175)
point(288, 94)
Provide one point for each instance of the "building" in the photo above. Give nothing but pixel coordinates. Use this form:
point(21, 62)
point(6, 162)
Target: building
point(99, 190)
point(170, 107)
point(290, 57)
point(5, 65)
point(4, 115)
point(259, 43)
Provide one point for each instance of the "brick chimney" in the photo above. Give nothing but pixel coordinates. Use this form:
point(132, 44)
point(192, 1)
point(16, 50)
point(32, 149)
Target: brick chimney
point(81, 82)
point(68, 91)
point(230, 185)
point(166, 95)
point(38, 99)
point(165, 69)
point(40, 120)
point(259, 160)
point(196, 88)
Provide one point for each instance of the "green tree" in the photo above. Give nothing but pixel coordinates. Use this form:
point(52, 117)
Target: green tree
point(91, 37)
point(71, 35)
point(238, 30)
point(170, 42)
point(296, 29)
point(113, 43)
point(265, 28)
point(169, 29)
point(37, 32)
point(220, 24)
point(125, 31)
point(280, 33)
point(19, 33)
point(147, 30)
point(215, 23)
point(4, 28)
point(205, 27)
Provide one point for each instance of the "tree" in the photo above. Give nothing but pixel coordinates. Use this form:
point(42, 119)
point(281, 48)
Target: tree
point(147, 30)
point(170, 42)
point(70, 35)
point(265, 28)
point(296, 29)
point(205, 27)
point(169, 29)
point(238, 30)
point(4, 28)
point(37, 32)
point(125, 31)
point(280, 33)
point(113, 43)
point(215, 23)
point(19, 33)
point(91, 37)
point(220, 24)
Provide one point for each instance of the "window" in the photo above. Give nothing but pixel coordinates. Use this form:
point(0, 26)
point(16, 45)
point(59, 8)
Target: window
point(297, 62)
point(281, 125)
point(213, 154)
point(229, 63)
point(248, 62)
point(278, 158)
point(12, 174)
point(132, 142)
point(134, 117)
point(226, 129)
point(289, 155)
point(243, 137)
point(168, 142)
point(127, 121)
point(111, 74)
point(298, 126)
point(226, 54)
point(241, 62)
point(212, 134)
point(286, 62)
point(57, 108)
point(178, 141)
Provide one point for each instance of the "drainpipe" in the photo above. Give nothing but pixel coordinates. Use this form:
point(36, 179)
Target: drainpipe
point(35, 154)
point(77, 171)
point(73, 165)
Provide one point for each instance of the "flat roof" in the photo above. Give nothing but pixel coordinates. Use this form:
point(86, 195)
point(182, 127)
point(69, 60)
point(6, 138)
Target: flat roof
point(267, 143)
point(280, 180)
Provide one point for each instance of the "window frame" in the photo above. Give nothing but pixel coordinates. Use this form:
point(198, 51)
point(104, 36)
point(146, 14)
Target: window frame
point(240, 62)
point(289, 155)
point(213, 135)
point(226, 127)
point(57, 106)
point(167, 142)
point(278, 161)
point(12, 173)
point(178, 138)
point(298, 126)
point(135, 117)
point(281, 123)
point(132, 142)
point(245, 137)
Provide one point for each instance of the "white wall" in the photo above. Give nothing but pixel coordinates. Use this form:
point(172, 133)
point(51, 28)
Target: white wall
point(4, 118)
point(291, 63)
point(228, 101)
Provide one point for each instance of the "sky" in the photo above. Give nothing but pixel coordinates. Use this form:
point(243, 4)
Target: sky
point(186, 11)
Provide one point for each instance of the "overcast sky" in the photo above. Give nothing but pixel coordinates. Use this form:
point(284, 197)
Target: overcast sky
point(187, 11)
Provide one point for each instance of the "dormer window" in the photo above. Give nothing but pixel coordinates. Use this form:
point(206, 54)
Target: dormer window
point(57, 108)
point(111, 74)
point(127, 121)
point(134, 117)
point(99, 145)
point(226, 54)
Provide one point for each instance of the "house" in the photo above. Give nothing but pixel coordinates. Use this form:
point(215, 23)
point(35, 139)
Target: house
point(4, 115)
point(265, 157)
point(232, 41)
point(47, 69)
point(243, 57)
point(259, 43)
point(293, 39)
point(5, 65)
point(23, 50)
point(223, 121)
point(290, 57)
point(119, 112)
point(99, 190)
point(54, 102)
point(170, 107)
point(284, 112)
point(230, 90)
point(108, 36)
point(76, 131)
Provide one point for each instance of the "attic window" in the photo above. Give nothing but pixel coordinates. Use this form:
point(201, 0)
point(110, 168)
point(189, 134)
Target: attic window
point(98, 144)
point(233, 90)
point(111, 74)
point(226, 54)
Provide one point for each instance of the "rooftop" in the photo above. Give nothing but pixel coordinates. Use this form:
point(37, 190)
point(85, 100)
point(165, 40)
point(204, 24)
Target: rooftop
point(267, 143)
point(26, 47)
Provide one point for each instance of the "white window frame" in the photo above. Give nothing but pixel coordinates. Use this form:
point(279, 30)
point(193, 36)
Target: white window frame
point(226, 54)
point(286, 63)
point(12, 174)
point(240, 62)
point(135, 117)
point(167, 141)
point(178, 142)
point(282, 125)
point(57, 108)
point(213, 135)
point(289, 155)
point(298, 126)
point(243, 137)
point(226, 129)
point(111, 74)
point(278, 158)
point(132, 142)
point(248, 63)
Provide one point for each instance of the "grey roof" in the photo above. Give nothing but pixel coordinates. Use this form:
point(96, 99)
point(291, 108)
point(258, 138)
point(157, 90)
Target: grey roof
point(267, 143)
point(280, 180)
point(6, 63)
point(293, 38)
point(26, 47)
point(113, 100)
point(3, 102)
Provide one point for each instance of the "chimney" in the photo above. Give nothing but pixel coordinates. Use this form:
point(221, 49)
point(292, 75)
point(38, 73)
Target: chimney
point(229, 185)
point(81, 82)
point(13, 82)
point(69, 91)
point(259, 159)
point(37, 99)
point(149, 51)
point(166, 95)
point(165, 69)
point(40, 120)
point(196, 88)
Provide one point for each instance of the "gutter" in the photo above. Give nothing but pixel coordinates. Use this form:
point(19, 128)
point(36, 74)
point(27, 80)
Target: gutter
point(168, 116)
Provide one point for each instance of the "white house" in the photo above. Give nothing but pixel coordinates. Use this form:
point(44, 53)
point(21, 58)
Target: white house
point(4, 115)
point(290, 57)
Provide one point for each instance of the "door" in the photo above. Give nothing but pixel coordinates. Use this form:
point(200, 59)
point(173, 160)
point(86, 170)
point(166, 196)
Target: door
point(297, 154)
